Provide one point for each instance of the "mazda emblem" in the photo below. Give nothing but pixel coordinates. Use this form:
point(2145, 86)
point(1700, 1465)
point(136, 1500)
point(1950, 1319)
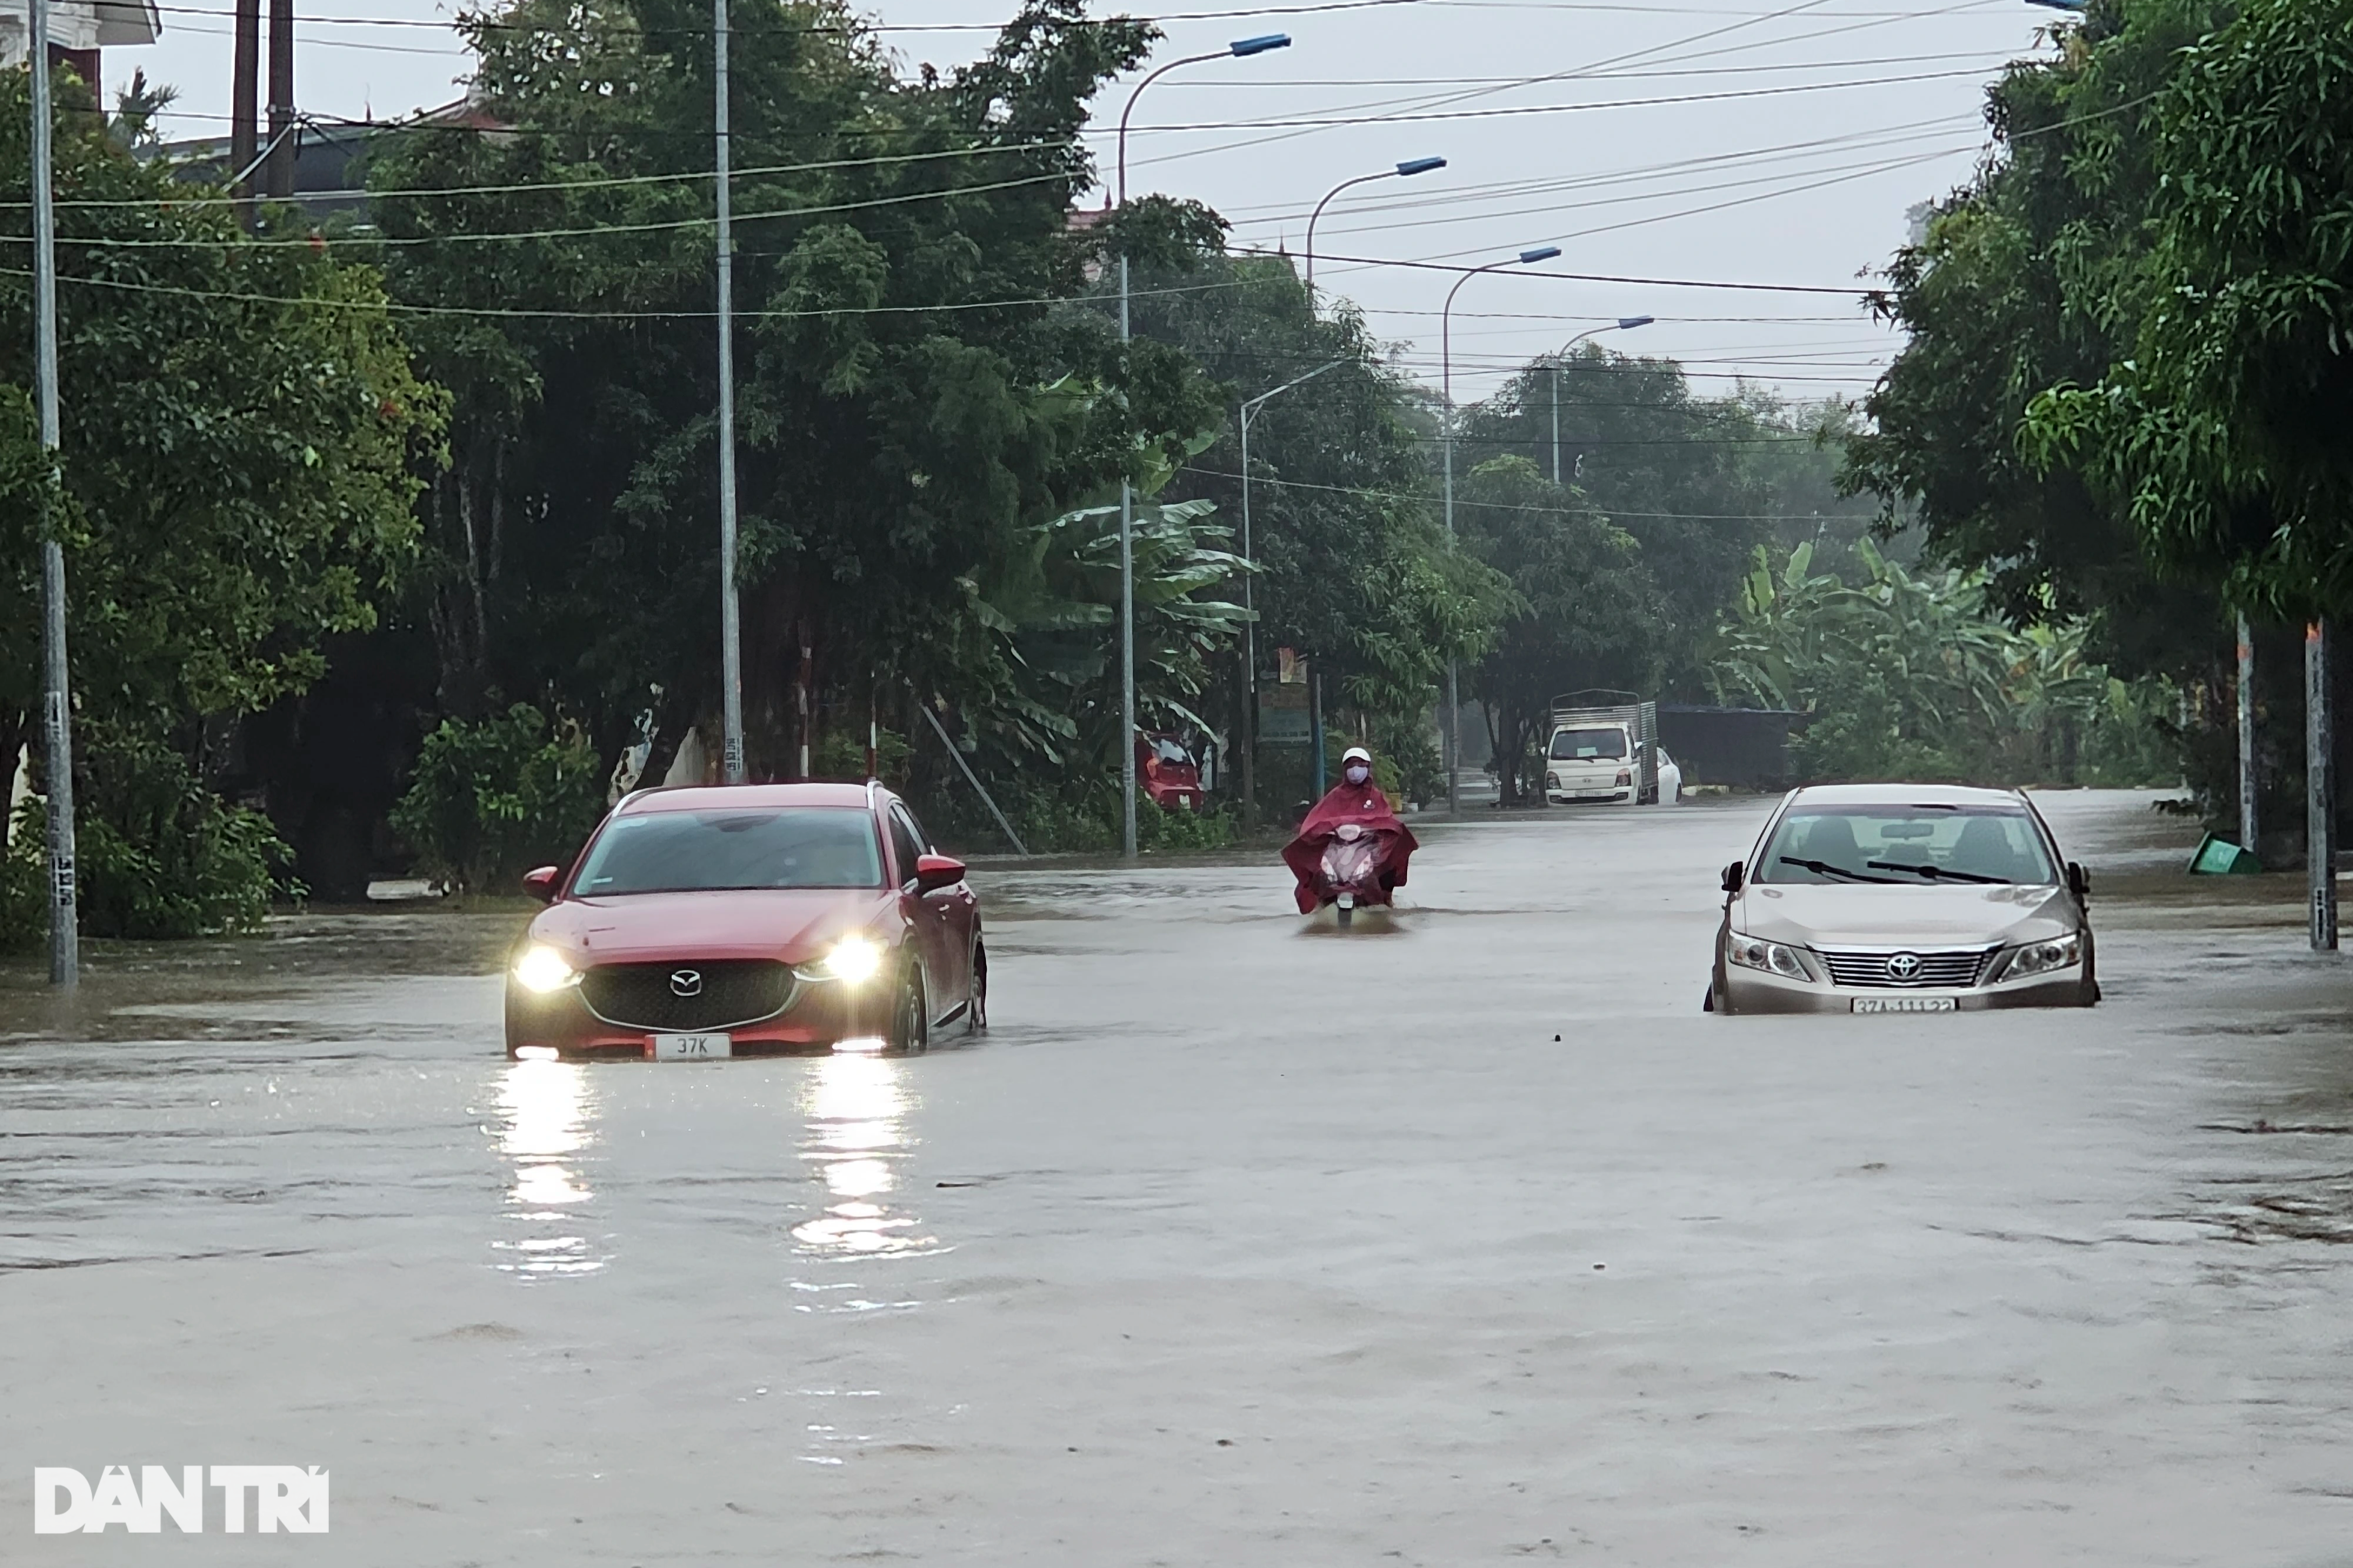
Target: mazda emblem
point(1900, 966)
point(689, 981)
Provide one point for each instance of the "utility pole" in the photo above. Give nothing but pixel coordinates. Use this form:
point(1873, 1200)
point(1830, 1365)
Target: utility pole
point(245, 78)
point(1240, 49)
point(57, 705)
point(731, 629)
point(278, 174)
point(2250, 823)
point(2320, 785)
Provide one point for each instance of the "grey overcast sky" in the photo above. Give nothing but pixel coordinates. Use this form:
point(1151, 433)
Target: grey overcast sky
point(1774, 141)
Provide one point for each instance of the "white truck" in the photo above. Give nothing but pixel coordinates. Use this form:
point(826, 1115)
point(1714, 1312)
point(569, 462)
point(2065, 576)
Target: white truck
point(1604, 751)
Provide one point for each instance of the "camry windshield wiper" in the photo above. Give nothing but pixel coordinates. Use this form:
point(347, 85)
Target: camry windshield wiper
point(1938, 873)
point(1824, 868)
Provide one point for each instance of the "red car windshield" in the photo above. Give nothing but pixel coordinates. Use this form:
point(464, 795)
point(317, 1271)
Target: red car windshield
point(716, 851)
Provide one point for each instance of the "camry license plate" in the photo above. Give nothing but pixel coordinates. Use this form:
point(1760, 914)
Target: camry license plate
point(1904, 1005)
point(689, 1048)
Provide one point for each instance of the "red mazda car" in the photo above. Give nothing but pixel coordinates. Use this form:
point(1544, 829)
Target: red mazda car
point(757, 919)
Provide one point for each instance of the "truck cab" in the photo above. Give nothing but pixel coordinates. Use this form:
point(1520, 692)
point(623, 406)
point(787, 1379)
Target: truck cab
point(1603, 749)
point(1590, 762)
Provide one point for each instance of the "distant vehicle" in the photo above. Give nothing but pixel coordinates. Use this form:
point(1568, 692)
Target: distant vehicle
point(1606, 753)
point(744, 921)
point(1168, 772)
point(1904, 899)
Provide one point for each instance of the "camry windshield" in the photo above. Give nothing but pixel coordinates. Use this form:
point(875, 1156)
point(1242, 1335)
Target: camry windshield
point(1912, 845)
point(707, 851)
point(1573, 745)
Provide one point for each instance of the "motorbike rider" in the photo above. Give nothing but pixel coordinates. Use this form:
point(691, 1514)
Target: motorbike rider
point(1356, 800)
point(1355, 790)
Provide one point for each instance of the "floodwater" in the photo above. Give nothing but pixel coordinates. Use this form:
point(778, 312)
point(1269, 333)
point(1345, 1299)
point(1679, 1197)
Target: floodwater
point(1468, 1241)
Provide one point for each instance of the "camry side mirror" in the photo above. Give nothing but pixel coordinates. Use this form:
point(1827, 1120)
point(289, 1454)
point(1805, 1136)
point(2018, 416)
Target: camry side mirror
point(1736, 876)
point(2079, 882)
point(541, 884)
point(933, 872)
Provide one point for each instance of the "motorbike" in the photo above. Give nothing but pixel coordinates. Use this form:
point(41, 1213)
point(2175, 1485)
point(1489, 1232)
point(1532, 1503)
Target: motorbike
point(1350, 853)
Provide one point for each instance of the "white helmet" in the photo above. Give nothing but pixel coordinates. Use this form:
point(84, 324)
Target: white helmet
point(1356, 754)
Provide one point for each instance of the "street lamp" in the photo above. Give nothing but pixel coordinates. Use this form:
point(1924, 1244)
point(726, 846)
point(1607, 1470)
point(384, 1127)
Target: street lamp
point(1242, 48)
point(1446, 381)
point(1250, 623)
point(1406, 170)
point(1624, 324)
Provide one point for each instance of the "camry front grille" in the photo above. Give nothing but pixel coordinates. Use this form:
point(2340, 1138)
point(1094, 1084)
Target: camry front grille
point(1942, 968)
point(690, 994)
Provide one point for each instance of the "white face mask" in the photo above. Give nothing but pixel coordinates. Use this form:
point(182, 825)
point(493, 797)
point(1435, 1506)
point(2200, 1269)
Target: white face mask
point(1358, 773)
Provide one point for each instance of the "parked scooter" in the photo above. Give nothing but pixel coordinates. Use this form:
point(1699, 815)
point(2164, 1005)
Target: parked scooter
point(1351, 851)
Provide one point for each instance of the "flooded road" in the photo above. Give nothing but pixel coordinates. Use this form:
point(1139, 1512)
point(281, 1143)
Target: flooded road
point(1228, 1244)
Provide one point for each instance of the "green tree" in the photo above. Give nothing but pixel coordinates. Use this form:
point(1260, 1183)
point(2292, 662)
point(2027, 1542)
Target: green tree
point(905, 381)
point(2005, 297)
point(1583, 611)
point(1695, 482)
point(241, 427)
point(1357, 571)
point(2218, 423)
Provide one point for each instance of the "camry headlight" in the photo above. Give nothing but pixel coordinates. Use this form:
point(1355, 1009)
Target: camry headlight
point(543, 968)
point(853, 961)
point(1772, 957)
point(2042, 957)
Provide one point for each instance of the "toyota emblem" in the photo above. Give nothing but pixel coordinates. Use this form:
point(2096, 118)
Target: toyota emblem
point(689, 981)
point(1900, 966)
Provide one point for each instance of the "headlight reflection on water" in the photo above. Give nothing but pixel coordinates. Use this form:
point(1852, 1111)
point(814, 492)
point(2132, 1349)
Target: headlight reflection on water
point(549, 1113)
point(856, 1107)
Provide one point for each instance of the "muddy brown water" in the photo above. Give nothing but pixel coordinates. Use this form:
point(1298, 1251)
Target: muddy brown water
point(1472, 1241)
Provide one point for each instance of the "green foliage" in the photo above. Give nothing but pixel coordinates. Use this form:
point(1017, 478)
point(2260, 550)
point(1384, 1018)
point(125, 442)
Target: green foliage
point(1909, 674)
point(1357, 571)
point(494, 798)
point(1585, 612)
point(1052, 604)
point(1687, 484)
point(1071, 821)
point(158, 855)
point(840, 753)
point(235, 483)
point(23, 880)
point(2218, 423)
point(909, 405)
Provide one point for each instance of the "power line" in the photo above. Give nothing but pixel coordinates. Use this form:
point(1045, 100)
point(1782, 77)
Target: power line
point(1373, 494)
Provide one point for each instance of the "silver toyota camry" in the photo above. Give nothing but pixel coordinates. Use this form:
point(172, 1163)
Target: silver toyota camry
point(1904, 899)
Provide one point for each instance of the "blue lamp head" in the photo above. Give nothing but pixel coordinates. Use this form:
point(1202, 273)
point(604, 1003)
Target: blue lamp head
point(1421, 166)
point(1627, 324)
point(1242, 48)
point(1541, 253)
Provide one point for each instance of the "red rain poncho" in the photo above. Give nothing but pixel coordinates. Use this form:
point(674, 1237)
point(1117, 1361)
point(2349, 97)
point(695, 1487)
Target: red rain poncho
point(1365, 806)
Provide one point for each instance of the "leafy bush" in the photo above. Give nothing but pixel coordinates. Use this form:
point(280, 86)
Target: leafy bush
point(24, 907)
point(1912, 675)
point(492, 798)
point(840, 753)
point(156, 854)
point(1417, 773)
point(1082, 823)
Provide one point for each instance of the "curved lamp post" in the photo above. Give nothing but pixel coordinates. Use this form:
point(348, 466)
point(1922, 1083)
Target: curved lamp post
point(1624, 324)
point(1242, 48)
point(1406, 170)
point(1446, 378)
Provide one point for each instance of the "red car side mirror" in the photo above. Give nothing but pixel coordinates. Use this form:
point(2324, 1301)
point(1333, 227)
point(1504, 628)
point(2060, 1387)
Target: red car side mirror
point(933, 872)
point(541, 884)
